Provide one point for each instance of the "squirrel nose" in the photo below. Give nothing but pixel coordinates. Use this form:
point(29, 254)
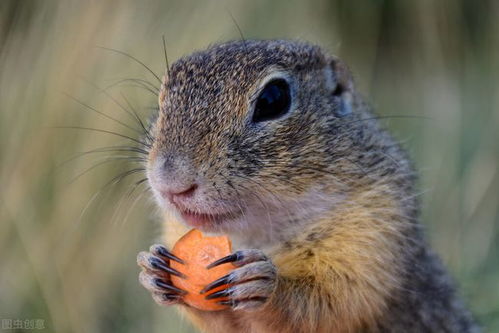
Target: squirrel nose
point(175, 177)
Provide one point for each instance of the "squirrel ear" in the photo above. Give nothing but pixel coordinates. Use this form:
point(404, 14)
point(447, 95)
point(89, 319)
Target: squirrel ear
point(340, 82)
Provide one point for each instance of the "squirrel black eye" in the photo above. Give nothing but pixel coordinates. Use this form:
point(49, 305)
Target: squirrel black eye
point(273, 102)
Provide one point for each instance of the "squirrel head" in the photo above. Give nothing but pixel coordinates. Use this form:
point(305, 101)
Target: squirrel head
point(251, 133)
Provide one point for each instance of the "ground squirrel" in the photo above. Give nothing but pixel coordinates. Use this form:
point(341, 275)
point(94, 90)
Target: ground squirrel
point(270, 143)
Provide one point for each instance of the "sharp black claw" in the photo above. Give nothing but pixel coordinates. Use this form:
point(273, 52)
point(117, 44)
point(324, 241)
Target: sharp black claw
point(170, 297)
point(230, 258)
point(217, 283)
point(218, 294)
point(161, 265)
point(165, 253)
point(162, 284)
point(227, 302)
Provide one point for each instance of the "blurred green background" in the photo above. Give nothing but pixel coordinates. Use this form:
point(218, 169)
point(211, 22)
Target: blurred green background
point(68, 248)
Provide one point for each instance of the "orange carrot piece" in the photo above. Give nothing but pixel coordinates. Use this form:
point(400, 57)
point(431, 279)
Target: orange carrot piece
point(198, 252)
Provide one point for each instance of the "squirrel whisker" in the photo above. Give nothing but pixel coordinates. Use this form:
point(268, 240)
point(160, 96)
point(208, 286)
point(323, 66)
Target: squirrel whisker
point(140, 82)
point(105, 161)
point(88, 107)
point(105, 131)
point(110, 149)
point(133, 58)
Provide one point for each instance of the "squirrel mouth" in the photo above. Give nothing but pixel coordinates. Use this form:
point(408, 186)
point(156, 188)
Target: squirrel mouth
point(206, 220)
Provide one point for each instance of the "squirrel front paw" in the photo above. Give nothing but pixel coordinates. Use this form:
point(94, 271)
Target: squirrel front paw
point(249, 285)
point(156, 272)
